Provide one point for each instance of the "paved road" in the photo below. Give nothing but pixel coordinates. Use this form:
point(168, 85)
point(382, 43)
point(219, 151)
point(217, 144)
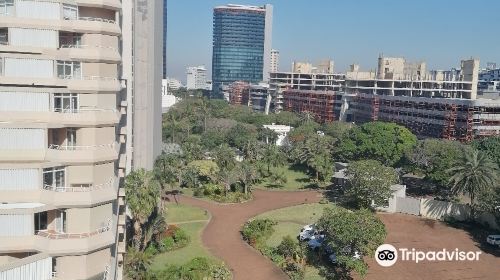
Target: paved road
point(222, 235)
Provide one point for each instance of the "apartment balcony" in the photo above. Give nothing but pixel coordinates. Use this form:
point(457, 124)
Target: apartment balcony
point(82, 154)
point(58, 243)
point(23, 268)
point(79, 24)
point(65, 196)
point(106, 4)
point(85, 84)
point(89, 53)
point(66, 117)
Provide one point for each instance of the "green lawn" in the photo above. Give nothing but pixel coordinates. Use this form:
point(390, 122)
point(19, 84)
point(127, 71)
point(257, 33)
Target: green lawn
point(296, 176)
point(290, 220)
point(188, 217)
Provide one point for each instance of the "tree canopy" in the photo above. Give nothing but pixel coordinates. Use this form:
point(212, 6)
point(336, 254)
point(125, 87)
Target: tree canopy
point(385, 142)
point(370, 181)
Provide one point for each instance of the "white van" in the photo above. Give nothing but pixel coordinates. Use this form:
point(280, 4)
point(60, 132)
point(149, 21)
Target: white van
point(493, 240)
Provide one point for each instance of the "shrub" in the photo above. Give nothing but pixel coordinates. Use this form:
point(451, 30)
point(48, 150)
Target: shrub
point(174, 238)
point(255, 232)
point(197, 268)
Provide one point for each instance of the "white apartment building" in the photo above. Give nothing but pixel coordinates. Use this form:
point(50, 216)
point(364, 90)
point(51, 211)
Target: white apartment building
point(275, 61)
point(65, 135)
point(196, 77)
point(173, 84)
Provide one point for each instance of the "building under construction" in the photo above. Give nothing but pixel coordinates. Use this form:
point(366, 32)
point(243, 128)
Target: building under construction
point(441, 104)
point(238, 93)
point(319, 104)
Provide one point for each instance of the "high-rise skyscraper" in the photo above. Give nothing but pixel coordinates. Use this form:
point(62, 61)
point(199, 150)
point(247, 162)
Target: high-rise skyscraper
point(73, 103)
point(241, 44)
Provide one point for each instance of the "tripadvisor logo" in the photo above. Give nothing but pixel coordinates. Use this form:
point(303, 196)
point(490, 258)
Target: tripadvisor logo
point(387, 255)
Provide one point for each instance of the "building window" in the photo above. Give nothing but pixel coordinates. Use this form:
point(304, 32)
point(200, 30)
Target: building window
point(70, 12)
point(54, 177)
point(40, 221)
point(69, 69)
point(6, 7)
point(65, 102)
point(70, 40)
point(60, 221)
point(4, 36)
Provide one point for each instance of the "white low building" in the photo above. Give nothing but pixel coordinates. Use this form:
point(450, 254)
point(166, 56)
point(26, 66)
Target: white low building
point(281, 130)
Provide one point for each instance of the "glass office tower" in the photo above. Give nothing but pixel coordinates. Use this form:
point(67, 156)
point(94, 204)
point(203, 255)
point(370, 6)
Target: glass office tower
point(241, 44)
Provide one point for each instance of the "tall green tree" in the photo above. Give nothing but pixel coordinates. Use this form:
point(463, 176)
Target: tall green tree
point(225, 157)
point(267, 135)
point(272, 156)
point(240, 134)
point(370, 181)
point(142, 195)
point(490, 146)
point(386, 142)
point(246, 175)
point(316, 154)
point(350, 232)
point(137, 263)
point(434, 157)
point(474, 173)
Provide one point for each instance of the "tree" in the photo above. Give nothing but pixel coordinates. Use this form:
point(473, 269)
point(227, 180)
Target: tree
point(204, 113)
point(290, 249)
point(370, 181)
point(225, 157)
point(434, 157)
point(252, 150)
point(207, 169)
point(137, 263)
point(386, 142)
point(350, 232)
point(287, 118)
point(278, 178)
point(167, 171)
point(474, 173)
point(316, 154)
point(272, 156)
point(246, 174)
point(240, 134)
point(226, 178)
point(142, 193)
point(336, 130)
point(172, 125)
point(267, 135)
point(490, 146)
point(191, 177)
point(489, 201)
point(191, 148)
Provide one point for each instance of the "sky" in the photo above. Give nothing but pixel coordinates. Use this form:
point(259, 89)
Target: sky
point(440, 32)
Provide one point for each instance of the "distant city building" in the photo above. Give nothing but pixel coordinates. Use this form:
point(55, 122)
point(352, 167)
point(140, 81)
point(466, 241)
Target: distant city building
point(489, 82)
point(304, 76)
point(241, 44)
point(275, 61)
point(281, 130)
point(173, 84)
point(196, 77)
point(260, 98)
point(208, 85)
point(238, 93)
point(440, 104)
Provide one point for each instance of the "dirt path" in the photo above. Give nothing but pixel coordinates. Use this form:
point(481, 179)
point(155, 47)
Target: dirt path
point(222, 234)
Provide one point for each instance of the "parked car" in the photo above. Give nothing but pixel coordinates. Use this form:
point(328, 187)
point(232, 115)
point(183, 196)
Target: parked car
point(306, 235)
point(316, 242)
point(493, 240)
point(310, 227)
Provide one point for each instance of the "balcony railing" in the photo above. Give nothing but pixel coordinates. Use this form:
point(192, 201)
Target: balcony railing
point(80, 148)
point(81, 110)
point(78, 46)
point(59, 235)
point(97, 19)
point(80, 187)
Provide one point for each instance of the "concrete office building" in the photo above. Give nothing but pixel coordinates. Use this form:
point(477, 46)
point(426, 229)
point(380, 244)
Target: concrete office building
point(164, 76)
point(241, 44)
point(275, 61)
point(66, 86)
point(196, 77)
point(440, 104)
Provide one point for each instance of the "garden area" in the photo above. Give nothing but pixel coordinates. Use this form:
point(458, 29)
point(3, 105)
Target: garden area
point(275, 235)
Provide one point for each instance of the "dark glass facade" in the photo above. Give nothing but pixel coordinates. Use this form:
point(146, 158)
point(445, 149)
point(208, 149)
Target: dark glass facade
point(238, 46)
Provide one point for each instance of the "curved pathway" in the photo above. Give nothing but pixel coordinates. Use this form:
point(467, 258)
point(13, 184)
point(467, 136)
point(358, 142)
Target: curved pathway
point(222, 234)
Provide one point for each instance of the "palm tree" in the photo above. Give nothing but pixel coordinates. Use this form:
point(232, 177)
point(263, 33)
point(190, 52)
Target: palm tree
point(142, 193)
point(204, 111)
point(226, 178)
point(137, 263)
point(252, 150)
point(173, 123)
point(167, 171)
point(474, 172)
point(246, 175)
point(272, 156)
point(268, 136)
point(316, 154)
